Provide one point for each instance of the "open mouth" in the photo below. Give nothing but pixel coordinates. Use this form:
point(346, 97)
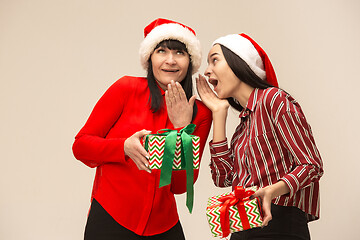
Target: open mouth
point(213, 82)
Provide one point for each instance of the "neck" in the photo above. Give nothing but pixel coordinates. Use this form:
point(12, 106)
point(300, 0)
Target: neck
point(162, 86)
point(243, 94)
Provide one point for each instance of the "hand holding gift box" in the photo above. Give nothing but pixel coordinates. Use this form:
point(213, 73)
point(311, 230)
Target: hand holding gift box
point(233, 212)
point(172, 150)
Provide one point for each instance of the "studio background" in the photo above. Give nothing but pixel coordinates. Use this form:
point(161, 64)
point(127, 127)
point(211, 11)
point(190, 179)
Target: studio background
point(57, 57)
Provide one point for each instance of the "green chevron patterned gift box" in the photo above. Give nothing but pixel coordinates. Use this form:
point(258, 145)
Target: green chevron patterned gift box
point(175, 150)
point(233, 212)
point(156, 149)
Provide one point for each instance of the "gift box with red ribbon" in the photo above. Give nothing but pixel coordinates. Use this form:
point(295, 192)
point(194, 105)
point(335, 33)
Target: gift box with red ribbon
point(233, 212)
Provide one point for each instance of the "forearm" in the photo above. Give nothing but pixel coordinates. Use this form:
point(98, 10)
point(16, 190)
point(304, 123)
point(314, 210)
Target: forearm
point(278, 189)
point(219, 125)
point(94, 151)
point(221, 164)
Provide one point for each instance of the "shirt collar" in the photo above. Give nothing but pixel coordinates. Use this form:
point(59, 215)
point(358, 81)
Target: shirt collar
point(161, 91)
point(252, 102)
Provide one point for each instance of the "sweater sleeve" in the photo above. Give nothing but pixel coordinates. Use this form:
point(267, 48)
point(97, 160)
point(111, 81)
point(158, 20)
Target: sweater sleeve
point(91, 145)
point(203, 122)
point(296, 136)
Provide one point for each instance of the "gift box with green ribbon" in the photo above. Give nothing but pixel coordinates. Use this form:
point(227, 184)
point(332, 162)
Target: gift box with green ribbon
point(233, 212)
point(174, 150)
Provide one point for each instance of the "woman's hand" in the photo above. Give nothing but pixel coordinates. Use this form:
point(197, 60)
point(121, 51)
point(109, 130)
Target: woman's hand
point(219, 108)
point(180, 110)
point(134, 150)
point(266, 195)
point(209, 98)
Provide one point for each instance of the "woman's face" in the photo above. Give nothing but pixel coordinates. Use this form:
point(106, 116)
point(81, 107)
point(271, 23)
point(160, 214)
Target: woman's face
point(169, 65)
point(220, 74)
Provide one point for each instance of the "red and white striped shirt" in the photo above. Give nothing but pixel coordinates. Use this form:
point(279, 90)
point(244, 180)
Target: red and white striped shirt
point(272, 142)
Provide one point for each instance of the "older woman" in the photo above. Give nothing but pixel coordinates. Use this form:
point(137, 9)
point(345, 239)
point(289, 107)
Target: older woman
point(127, 202)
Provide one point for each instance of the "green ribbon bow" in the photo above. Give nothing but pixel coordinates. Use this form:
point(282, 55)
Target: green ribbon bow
point(186, 159)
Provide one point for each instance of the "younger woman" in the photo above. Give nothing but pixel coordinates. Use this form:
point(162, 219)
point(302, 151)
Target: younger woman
point(272, 147)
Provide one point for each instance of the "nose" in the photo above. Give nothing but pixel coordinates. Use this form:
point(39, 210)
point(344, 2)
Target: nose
point(170, 59)
point(207, 71)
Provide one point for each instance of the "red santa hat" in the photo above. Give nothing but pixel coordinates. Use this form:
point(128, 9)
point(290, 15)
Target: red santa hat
point(249, 51)
point(164, 29)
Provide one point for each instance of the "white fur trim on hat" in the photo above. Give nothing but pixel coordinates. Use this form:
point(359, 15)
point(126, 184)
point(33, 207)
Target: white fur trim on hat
point(171, 31)
point(245, 50)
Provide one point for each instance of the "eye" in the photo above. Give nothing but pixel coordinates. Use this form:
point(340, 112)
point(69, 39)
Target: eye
point(214, 60)
point(179, 52)
point(160, 50)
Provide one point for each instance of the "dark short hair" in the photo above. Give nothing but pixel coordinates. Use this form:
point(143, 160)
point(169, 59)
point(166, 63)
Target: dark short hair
point(156, 100)
point(243, 72)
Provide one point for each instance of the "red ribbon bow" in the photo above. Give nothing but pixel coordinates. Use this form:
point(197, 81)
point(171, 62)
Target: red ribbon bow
point(240, 195)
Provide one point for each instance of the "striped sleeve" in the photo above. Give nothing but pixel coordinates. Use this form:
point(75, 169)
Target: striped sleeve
point(295, 135)
point(221, 164)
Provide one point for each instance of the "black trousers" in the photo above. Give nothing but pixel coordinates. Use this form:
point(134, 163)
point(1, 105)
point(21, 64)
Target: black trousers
point(101, 226)
point(288, 223)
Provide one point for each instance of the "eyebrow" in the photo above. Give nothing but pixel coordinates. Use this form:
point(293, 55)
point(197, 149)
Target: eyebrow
point(215, 53)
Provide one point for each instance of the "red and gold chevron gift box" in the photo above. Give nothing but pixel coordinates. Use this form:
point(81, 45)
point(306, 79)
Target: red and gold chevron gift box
point(233, 212)
point(156, 147)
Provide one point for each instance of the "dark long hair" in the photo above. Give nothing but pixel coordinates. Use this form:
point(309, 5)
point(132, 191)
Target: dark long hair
point(243, 72)
point(156, 100)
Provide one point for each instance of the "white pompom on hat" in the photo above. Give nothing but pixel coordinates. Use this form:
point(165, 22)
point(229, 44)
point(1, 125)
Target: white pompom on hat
point(163, 29)
point(249, 51)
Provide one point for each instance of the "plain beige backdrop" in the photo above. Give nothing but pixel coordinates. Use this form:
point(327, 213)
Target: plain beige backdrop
point(57, 57)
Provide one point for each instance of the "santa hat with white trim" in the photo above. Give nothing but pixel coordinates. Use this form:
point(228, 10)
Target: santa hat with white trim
point(164, 29)
point(249, 51)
